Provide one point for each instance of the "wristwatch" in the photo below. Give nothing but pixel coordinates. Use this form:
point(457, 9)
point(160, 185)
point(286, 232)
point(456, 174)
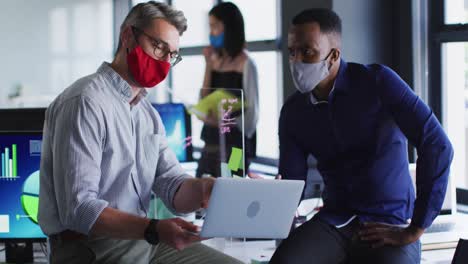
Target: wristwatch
point(151, 233)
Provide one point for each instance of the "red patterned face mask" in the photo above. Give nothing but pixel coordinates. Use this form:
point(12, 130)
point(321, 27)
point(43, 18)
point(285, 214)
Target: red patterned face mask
point(146, 71)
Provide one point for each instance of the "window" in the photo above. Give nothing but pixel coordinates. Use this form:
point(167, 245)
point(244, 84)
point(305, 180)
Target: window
point(455, 103)
point(448, 77)
point(267, 66)
point(57, 44)
point(456, 11)
point(196, 13)
point(259, 25)
point(187, 79)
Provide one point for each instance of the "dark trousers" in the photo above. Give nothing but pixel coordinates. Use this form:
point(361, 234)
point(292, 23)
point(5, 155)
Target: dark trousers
point(317, 242)
point(114, 251)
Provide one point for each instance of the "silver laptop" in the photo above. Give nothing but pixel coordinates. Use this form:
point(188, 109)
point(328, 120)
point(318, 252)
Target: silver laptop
point(246, 208)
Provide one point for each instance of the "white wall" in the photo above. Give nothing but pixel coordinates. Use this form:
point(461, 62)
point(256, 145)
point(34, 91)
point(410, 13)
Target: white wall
point(366, 30)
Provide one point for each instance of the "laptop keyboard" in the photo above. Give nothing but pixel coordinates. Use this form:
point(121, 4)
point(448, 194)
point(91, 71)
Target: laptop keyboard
point(440, 227)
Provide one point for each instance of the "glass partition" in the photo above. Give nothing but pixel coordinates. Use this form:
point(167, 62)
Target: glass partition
point(220, 114)
point(217, 130)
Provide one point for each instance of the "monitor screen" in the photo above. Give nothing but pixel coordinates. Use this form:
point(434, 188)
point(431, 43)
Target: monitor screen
point(178, 129)
point(19, 185)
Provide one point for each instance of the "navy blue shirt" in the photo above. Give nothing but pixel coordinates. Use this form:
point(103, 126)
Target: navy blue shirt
point(359, 139)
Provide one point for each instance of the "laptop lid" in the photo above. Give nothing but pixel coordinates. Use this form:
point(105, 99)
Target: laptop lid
point(251, 208)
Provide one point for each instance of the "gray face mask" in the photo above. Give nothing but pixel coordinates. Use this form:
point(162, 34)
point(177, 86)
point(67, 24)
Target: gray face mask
point(306, 76)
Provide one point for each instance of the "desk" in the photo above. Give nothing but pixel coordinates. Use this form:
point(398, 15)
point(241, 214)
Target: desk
point(245, 251)
point(39, 256)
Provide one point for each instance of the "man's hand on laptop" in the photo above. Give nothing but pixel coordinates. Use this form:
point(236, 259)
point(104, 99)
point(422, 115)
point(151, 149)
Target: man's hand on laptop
point(177, 233)
point(378, 234)
point(206, 188)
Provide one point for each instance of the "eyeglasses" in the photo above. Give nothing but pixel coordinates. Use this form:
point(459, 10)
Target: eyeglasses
point(160, 48)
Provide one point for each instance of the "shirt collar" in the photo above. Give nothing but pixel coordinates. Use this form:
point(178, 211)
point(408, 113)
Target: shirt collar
point(315, 101)
point(119, 84)
point(142, 94)
point(342, 79)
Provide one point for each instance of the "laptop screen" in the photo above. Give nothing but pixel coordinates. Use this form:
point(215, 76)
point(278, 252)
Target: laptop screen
point(19, 185)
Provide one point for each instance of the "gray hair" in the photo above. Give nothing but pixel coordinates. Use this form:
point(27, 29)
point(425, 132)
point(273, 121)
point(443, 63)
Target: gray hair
point(143, 14)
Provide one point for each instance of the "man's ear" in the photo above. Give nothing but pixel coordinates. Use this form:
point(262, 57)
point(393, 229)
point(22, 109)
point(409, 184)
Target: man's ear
point(127, 37)
point(336, 55)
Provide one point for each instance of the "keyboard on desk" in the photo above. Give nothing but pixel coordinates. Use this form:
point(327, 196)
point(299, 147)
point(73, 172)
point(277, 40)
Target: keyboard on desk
point(441, 227)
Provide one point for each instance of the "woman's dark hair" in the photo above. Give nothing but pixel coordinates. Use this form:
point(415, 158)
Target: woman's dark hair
point(234, 33)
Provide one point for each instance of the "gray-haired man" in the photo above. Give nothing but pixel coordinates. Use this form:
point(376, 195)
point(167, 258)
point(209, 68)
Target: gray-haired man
point(104, 151)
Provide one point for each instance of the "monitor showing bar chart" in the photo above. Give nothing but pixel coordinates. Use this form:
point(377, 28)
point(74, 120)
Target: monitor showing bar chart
point(9, 163)
point(19, 185)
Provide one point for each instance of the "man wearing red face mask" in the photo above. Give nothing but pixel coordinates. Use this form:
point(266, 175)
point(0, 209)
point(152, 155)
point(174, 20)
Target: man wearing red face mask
point(105, 151)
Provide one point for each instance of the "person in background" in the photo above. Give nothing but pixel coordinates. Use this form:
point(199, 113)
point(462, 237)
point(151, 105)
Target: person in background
point(105, 151)
point(228, 65)
point(355, 120)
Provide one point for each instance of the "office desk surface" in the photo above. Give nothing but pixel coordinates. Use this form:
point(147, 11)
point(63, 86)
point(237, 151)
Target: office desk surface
point(39, 256)
point(245, 251)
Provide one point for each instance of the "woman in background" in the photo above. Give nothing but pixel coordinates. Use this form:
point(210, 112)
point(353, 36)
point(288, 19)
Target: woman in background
point(228, 65)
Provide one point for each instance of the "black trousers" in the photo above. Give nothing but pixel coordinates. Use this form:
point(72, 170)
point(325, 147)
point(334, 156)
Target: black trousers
point(317, 242)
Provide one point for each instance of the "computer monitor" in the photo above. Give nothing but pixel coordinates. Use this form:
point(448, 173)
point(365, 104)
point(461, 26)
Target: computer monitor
point(19, 186)
point(22, 119)
point(178, 127)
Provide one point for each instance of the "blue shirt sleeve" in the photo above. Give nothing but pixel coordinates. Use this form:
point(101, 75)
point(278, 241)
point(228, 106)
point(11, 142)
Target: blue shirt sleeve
point(293, 160)
point(417, 121)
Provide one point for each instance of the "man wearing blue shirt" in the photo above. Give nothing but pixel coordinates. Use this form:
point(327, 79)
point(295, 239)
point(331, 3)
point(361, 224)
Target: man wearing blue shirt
point(355, 120)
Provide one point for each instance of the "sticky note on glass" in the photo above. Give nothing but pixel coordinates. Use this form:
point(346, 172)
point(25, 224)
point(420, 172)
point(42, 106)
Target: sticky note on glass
point(225, 171)
point(235, 161)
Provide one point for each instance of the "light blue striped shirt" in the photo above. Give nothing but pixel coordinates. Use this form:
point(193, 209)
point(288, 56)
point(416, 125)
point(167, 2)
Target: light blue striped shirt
point(99, 151)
